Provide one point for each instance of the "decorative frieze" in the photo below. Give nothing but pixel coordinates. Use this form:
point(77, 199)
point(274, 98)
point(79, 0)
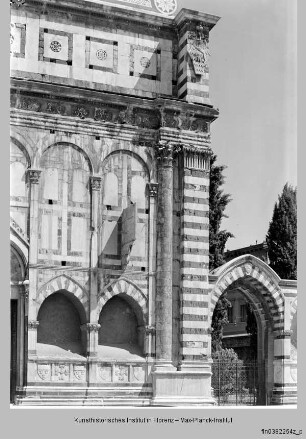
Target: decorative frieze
point(17, 3)
point(143, 118)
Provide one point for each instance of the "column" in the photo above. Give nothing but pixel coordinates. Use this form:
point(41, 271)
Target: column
point(163, 301)
point(33, 176)
point(89, 333)
point(150, 333)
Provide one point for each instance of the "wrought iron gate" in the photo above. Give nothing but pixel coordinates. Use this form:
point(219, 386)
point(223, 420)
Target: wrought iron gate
point(235, 383)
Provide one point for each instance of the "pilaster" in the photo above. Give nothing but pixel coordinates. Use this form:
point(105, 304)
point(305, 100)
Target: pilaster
point(193, 56)
point(33, 176)
point(152, 189)
point(95, 183)
point(194, 324)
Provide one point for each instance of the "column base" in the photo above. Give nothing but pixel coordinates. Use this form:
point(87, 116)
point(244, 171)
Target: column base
point(284, 396)
point(187, 387)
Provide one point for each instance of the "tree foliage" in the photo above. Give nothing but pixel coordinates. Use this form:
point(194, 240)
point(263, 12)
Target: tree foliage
point(218, 202)
point(282, 235)
point(219, 319)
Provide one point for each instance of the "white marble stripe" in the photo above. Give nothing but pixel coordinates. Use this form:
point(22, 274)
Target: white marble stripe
point(193, 284)
point(192, 271)
point(193, 337)
point(194, 219)
point(198, 311)
point(193, 244)
point(195, 297)
point(196, 206)
point(197, 194)
point(190, 179)
point(192, 351)
point(195, 324)
point(195, 232)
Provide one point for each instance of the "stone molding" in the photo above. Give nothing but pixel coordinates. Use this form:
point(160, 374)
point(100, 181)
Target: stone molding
point(122, 114)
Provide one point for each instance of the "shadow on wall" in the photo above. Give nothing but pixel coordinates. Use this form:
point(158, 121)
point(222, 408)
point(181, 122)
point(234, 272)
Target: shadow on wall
point(59, 329)
point(119, 334)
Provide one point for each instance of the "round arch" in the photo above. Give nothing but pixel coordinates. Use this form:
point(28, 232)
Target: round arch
point(72, 145)
point(65, 283)
point(127, 290)
point(259, 276)
point(138, 153)
point(22, 148)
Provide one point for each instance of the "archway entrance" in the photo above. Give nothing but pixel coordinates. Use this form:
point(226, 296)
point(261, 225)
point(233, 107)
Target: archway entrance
point(255, 317)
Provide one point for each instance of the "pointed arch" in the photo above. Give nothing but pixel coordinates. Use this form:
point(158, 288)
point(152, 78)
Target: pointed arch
point(259, 276)
point(64, 282)
point(124, 287)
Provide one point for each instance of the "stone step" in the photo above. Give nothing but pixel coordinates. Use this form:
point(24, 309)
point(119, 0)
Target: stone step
point(114, 401)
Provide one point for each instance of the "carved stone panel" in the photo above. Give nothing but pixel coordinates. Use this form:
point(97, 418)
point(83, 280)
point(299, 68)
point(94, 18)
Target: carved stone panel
point(60, 372)
point(79, 372)
point(138, 374)
point(44, 372)
point(105, 373)
point(121, 374)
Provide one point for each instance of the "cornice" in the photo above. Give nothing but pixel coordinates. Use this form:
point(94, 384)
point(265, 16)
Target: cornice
point(114, 16)
point(63, 92)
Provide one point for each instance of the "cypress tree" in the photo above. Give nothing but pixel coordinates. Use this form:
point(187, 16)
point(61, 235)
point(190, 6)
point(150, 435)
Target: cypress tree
point(282, 235)
point(218, 202)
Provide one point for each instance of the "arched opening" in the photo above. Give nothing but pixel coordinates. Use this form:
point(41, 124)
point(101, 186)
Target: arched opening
point(121, 335)
point(249, 333)
point(59, 332)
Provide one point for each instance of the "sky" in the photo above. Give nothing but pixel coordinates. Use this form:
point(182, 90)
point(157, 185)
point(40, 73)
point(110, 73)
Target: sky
point(253, 83)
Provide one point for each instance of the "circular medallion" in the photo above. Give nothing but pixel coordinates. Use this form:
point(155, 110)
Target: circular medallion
point(167, 7)
point(145, 62)
point(55, 46)
point(101, 54)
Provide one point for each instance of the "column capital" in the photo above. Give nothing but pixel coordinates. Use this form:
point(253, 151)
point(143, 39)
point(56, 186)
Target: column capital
point(149, 329)
point(164, 152)
point(33, 175)
point(152, 189)
point(95, 182)
point(33, 324)
point(91, 327)
point(17, 2)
